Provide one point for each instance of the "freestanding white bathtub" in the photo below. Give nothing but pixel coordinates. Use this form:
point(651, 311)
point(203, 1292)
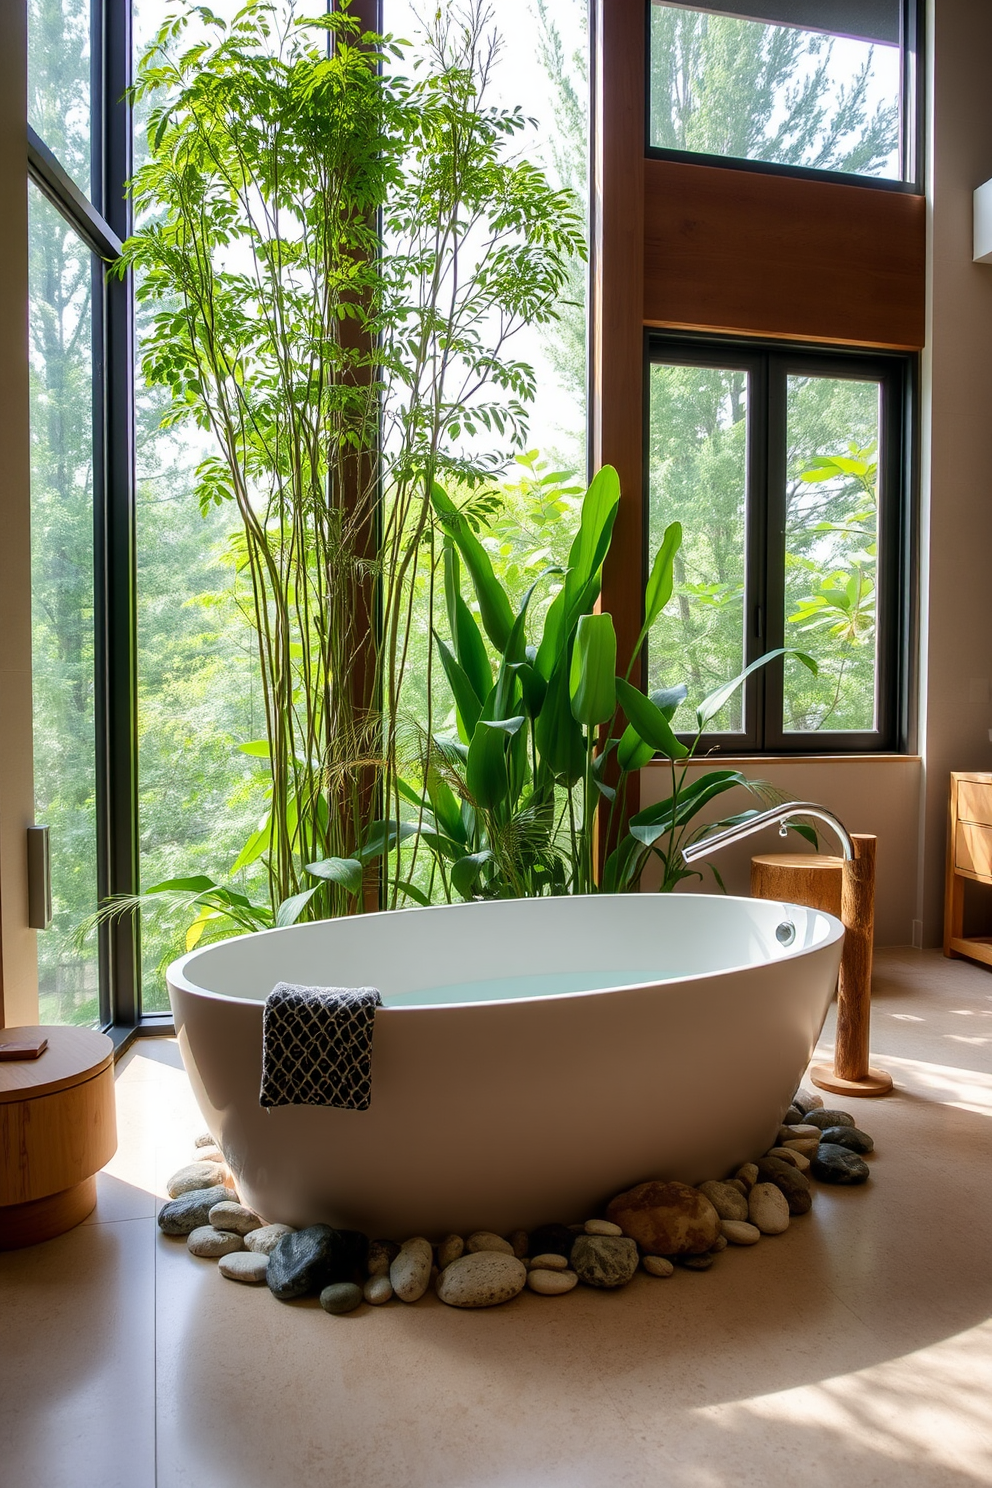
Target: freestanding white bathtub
point(533, 1057)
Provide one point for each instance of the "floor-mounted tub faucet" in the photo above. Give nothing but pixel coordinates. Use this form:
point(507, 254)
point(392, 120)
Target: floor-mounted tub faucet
point(851, 1073)
point(779, 815)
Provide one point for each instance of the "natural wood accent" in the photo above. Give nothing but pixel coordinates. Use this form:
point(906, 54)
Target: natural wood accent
point(813, 879)
point(617, 325)
point(747, 252)
point(851, 1072)
point(969, 856)
point(616, 408)
point(43, 1219)
point(57, 1128)
point(73, 1054)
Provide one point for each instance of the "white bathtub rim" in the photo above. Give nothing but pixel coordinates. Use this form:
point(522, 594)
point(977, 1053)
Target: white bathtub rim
point(176, 971)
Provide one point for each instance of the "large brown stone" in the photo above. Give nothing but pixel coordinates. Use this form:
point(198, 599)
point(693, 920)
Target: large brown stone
point(666, 1218)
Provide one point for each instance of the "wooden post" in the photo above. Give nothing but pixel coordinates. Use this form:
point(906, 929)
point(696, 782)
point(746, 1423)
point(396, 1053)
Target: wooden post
point(851, 1073)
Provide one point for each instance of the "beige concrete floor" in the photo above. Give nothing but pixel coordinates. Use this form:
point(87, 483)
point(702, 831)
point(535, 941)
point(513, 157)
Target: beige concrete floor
point(854, 1349)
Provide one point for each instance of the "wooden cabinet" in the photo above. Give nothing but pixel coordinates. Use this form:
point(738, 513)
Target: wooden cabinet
point(969, 855)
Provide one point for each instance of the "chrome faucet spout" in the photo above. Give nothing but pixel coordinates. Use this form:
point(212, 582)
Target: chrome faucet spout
point(778, 815)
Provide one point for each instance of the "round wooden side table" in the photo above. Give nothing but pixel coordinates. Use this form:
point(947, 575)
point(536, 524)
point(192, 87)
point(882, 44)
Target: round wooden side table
point(57, 1129)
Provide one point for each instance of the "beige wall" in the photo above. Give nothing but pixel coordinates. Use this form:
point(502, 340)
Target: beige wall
point(875, 795)
point(904, 800)
point(957, 464)
point(18, 971)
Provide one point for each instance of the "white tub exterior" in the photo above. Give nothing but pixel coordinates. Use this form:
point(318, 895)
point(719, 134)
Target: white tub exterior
point(506, 1114)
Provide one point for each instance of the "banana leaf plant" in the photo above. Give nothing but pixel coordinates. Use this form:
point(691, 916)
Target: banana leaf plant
point(549, 733)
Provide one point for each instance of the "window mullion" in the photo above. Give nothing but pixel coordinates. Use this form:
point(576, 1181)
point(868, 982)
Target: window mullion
point(115, 517)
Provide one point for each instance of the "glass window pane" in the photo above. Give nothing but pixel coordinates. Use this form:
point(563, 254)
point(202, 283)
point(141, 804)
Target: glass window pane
point(59, 82)
point(61, 356)
point(698, 476)
point(831, 558)
point(804, 94)
point(200, 797)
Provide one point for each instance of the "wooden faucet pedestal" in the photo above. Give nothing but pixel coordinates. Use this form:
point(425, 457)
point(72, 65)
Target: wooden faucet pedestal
point(57, 1129)
point(846, 890)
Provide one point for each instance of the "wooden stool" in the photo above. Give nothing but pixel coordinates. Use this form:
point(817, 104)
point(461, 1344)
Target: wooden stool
point(57, 1129)
point(846, 890)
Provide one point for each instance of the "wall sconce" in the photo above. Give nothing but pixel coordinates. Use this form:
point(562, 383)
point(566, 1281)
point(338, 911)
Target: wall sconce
point(983, 224)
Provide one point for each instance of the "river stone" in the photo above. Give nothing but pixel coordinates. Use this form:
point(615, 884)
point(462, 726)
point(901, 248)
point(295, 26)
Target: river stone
point(228, 1215)
point(483, 1278)
point(802, 1129)
point(486, 1240)
point(806, 1101)
point(800, 1159)
point(551, 1283)
point(244, 1265)
point(191, 1210)
point(804, 1147)
point(666, 1218)
point(520, 1241)
point(728, 1202)
point(451, 1247)
point(193, 1176)
point(833, 1164)
point(556, 1239)
point(550, 1261)
point(313, 1258)
point(784, 1154)
point(378, 1289)
point(657, 1265)
point(604, 1260)
point(851, 1137)
point(742, 1188)
point(410, 1272)
point(720, 1243)
point(794, 1186)
point(696, 1262)
point(265, 1240)
point(210, 1243)
point(381, 1255)
point(748, 1175)
point(768, 1209)
point(791, 1115)
point(740, 1232)
point(340, 1297)
point(602, 1227)
point(205, 1139)
point(825, 1119)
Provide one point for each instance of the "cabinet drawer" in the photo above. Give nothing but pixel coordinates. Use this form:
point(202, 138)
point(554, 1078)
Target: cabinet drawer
point(973, 849)
point(975, 802)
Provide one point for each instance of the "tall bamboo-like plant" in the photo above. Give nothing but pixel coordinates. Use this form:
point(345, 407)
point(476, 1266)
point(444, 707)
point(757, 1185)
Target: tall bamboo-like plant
point(339, 255)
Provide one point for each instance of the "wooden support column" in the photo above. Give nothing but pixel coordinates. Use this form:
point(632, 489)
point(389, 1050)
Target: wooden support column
point(850, 1073)
point(617, 320)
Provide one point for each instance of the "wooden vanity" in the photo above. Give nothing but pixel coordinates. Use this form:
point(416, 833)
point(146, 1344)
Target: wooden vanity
point(969, 856)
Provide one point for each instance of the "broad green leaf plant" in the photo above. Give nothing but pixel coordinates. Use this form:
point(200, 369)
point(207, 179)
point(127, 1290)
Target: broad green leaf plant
point(550, 731)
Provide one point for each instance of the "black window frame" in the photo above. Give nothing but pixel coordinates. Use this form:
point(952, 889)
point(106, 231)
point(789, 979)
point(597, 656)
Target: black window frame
point(769, 364)
point(102, 220)
point(912, 142)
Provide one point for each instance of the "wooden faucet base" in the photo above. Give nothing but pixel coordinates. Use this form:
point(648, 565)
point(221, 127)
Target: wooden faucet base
point(875, 1082)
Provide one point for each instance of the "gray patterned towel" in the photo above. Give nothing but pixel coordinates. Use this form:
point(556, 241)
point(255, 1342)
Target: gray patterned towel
point(317, 1046)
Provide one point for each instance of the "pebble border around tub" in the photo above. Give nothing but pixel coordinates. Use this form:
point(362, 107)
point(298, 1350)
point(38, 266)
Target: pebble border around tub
point(655, 1226)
